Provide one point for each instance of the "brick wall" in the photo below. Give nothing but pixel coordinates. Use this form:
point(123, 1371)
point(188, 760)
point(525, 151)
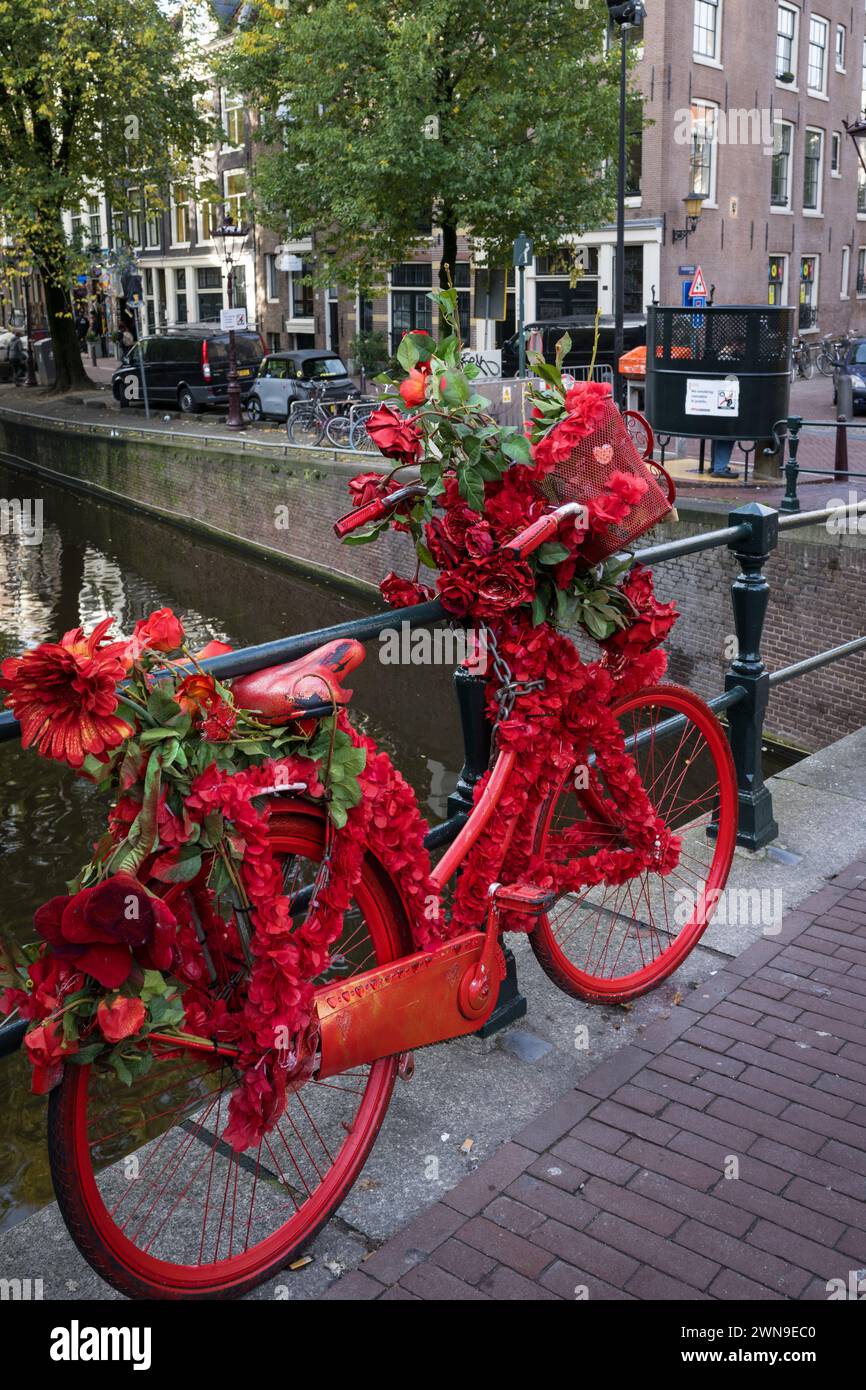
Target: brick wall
point(817, 580)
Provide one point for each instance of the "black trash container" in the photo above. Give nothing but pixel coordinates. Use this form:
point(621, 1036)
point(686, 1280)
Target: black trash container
point(718, 373)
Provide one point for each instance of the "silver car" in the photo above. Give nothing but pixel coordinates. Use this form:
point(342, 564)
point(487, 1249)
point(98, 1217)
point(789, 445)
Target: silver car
point(284, 377)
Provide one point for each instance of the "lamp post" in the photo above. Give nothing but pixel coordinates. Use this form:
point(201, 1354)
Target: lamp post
point(626, 15)
point(857, 131)
point(230, 240)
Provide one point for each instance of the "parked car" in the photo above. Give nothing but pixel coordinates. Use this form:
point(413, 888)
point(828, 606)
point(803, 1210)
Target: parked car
point(854, 366)
point(285, 377)
point(186, 367)
point(545, 334)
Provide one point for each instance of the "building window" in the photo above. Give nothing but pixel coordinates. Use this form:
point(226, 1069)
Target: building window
point(841, 37)
point(301, 301)
point(702, 176)
point(236, 196)
point(812, 170)
point(462, 283)
point(846, 272)
point(208, 218)
point(94, 222)
point(272, 284)
point(118, 228)
point(75, 222)
point(365, 315)
point(209, 283)
point(233, 119)
point(861, 272)
point(808, 293)
point(787, 21)
point(634, 154)
point(133, 217)
point(836, 154)
point(816, 73)
point(152, 219)
point(275, 342)
point(777, 294)
point(180, 296)
point(180, 215)
point(410, 307)
point(707, 30)
point(861, 192)
point(780, 191)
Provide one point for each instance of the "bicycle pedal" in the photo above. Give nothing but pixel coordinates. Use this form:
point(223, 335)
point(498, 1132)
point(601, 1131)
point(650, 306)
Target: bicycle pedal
point(523, 898)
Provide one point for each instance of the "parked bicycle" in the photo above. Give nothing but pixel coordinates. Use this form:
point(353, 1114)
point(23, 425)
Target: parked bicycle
point(315, 421)
point(802, 361)
point(832, 353)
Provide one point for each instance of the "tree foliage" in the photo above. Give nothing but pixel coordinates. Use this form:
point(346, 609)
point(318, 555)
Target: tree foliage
point(94, 94)
point(495, 116)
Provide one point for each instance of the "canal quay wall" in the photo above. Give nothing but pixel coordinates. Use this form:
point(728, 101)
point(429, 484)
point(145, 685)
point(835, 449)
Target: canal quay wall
point(280, 503)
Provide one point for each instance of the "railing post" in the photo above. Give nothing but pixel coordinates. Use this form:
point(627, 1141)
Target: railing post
point(750, 595)
point(471, 691)
point(791, 502)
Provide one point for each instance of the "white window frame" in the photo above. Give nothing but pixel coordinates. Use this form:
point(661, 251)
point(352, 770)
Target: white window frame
point(152, 218)
point(230, 199)
point(818, 210)
point(840, 59)
point(785, 258)
point(713, 106)
point(231, 112)
point(820, 93)
point(710, 60)
point(845, 278)
point(861, 187)
point(782, 209)
point(174, 207)
point(836, 146)
point(861, 273)
point(135, 211)
point(795, 43)
point(271, 281)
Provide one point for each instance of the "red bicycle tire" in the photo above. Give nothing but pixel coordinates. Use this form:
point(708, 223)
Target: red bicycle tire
point(101, 1241)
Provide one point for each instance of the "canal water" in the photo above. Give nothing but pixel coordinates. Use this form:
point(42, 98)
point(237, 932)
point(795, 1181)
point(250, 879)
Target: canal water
point(95, 559)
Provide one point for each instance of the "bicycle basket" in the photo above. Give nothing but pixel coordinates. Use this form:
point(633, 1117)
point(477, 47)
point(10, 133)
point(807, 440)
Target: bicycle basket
point(585, 475)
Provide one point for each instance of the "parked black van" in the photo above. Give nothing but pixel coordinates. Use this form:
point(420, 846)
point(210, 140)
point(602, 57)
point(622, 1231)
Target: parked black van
point(582, 333)
point(186, 367)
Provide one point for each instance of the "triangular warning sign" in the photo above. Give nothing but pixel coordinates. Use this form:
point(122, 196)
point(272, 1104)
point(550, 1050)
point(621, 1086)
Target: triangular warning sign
point(699, 286)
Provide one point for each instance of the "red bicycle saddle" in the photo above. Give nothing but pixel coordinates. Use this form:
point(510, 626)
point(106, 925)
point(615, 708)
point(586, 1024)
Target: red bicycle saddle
point(308, 686)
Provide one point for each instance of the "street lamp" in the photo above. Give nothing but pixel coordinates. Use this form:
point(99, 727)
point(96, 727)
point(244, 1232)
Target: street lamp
point(694, 206)
point(230, 240)
point(857, 131)
point(626, 15)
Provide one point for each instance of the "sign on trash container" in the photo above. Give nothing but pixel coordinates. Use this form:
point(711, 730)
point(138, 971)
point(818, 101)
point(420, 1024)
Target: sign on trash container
point(716, 398)
point(232, 318)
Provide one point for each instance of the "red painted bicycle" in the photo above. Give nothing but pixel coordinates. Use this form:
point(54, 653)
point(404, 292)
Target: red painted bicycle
point(158, 1201)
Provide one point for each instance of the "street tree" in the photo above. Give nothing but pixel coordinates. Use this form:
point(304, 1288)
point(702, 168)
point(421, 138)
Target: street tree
point(383, 117)
point(94, 94)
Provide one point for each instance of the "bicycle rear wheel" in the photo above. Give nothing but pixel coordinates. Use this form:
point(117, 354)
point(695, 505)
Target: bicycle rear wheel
point(359, 439)
point(614, 942)
point(338, 431)
point(826, 363)
point(153, 1196)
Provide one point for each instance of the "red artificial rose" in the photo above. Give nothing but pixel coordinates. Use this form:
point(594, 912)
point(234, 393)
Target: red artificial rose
point(65, 695)
point(479, 541)
point(369, 487)
point(120, 1017)
point(414, 388)
point(47, 1051)
point(456, 591)
point(196, 692)
point(402, 593)
point(394, 437)
point(96, 930)
point(161, 632)
point(502, 586)
point(219, 722)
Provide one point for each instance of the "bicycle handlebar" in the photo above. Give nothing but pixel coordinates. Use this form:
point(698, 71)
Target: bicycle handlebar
point(527, 542)
point(376, 510)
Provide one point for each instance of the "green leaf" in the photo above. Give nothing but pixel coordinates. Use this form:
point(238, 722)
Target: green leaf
point(551, 553)
point(517, 449)
point(407, 352)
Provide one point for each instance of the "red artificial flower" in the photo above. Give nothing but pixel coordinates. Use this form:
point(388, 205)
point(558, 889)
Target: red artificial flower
point(196, 692)
point(213, 648)
point(402, 593)
point(369, 487)
point(219, 722)
point(590, 401)
point(47, 1050)
point(64, 695)
point(395, 437)
point(120, 1017)
point(161, 632)
point(97, 930)
point(502, 586)
point(414, 388)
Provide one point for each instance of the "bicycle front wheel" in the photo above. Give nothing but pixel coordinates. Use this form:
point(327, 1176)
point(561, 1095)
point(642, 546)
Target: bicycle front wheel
point(338, 431)
point(611, 943)
point(305, 429)
point(826, 364)
point(156, 1200)
point(360, 440)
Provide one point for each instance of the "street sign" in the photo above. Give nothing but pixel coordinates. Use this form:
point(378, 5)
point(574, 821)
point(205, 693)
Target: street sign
point(687, 270)
point(232, 318)
point(699, 286)
point(522, 251)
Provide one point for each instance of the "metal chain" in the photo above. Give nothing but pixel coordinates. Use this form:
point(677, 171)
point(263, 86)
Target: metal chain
point(508, 690)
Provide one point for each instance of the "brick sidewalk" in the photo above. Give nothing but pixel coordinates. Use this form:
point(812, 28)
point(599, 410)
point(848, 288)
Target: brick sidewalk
point(620, 1188)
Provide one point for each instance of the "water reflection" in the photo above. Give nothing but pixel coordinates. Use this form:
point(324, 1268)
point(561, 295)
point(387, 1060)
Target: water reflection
point(96, 559)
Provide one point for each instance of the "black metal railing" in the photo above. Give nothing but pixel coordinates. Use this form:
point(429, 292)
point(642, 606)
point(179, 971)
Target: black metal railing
point(751, 536)
point(790, 431)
